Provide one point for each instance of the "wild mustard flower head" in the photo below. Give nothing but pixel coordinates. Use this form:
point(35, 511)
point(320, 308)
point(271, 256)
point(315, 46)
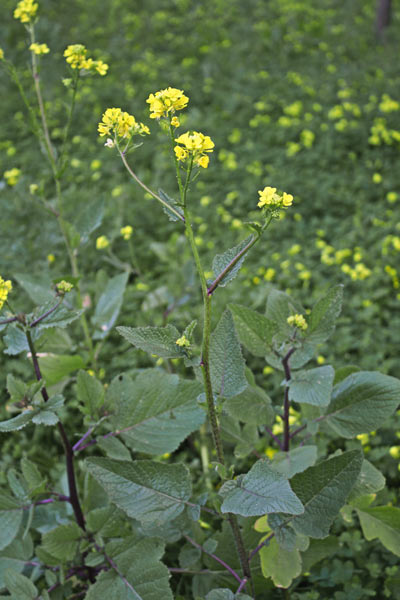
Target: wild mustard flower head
point(63, 287)
point(12, 176)
point(76, 57)
point(126, 232)
point(166, 102)
point(1, 54)
point(39, 48)
point(182, 342)
point(297, 321)
point(26, 11)
point(194, 144)
point(5, 289)
point(102, 242)
point(272, 202)
point(121, 124)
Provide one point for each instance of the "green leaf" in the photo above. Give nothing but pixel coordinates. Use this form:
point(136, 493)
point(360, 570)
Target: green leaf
point(255, 331)
point(261, 491)
point(369, 481)
point(21, 586)
point(108, 521)
point(109, 305)
point(137, 572)
point(89, 218)
point(45, 417)
point(62, 542)
point(279, 564)
point(55, 367)
point(280, 306)
point(383, 523)
point(15, 340)
point(16, 388)
point(362, 402)
point(10, 519)
point(147, 491)
point(31, 474)
point(245, 438)
point(222, 261)
point(344, 372)
point(61, 317)
point(156, 411)
point(252, 406)
point(37, 286)
point(154, 340)
point(19, 421)
point(226, 361)
point(225, 594)
point(312, 387)
point(321, 322)
point(294, 461)
point(15, 556)
point(323, 490)
point(170, 203)
point(114, 448)
point(318, 550)
point(90, 394)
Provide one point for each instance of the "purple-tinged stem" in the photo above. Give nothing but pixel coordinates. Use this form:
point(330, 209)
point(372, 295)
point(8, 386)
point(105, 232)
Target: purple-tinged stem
point(10, 320)
point(46, 314)
point(114, 566)
point(256, 550)
point(219, 560)
point(286, 406)
point(274, 437)
point(241, 586)
point(83, 438)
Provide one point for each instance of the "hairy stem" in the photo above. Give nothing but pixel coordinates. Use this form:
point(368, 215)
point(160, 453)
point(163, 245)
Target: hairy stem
point(286, 406)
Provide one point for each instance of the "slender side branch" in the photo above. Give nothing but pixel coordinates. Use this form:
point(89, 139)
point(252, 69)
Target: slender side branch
point(286, 433)
point(215, 557)
point(11, 320)
point(46, 314)
point(256, 550)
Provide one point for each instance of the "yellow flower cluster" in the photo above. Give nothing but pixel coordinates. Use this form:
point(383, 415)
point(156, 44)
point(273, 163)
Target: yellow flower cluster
point(102, 242)
point(126, 232)
point(360, 271)
point(182, 342)
point(75, 55)
point(122, 124)
point(196, 145)
point(39, 48)
point(273, 201)
point(1, 54)
point(64, 287)
point(5, 289)
point(166, 102)
point(26, 11)
point(298, 321)
point(12, 176)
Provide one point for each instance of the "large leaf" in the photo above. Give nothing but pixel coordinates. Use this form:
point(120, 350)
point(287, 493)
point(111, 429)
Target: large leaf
point(37, 286)
point(255, 331)
point(318, 550)
point(156, 411)
point(89, 218)
point(369, 481)
point(15, 556)
point(10, 519)
point(55, 367)
point(61, 317)
point(227, 259)
point(312, 387)
point(362, 402)
point(321, 322)
point(279, 564)
point(252, 406)
point(136, 574)
point(90, 394)
point(226, 360)
point(15, 340)
point(294, 461)
point(225, 594)
point(323, 490)
point(170, 207)
point(19, 586)
point(154, 340)
point(109, 305)
point(382, 522)
point(261, 491)
point(63, 541)
point(148, 491)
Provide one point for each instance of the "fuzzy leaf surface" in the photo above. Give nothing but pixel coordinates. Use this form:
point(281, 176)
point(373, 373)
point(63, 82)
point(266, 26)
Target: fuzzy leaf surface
point(154, 340)
point(109, 305)
point(222, 261)
point(226, 361)
point(322, 320)
point(10, 519)
point(61, 317)
point(62, 542)
point(255, 331)
point(20, 586)
point(279, 564)
point(251, 406)
point(369, 481)
point(382, 522)
point(295, 461)
point(312, 387)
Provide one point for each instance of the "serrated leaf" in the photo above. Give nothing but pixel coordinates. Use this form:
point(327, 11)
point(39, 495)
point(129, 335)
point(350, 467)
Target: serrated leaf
point(225, 594)
point(156, 411)
point(16, 388)
point(382, 522)
point(62, 542)
point(226, 361)
point(16, 342)
point(114, 448)
point(245, 438)
point(279, 564)
point(10, 519)
point(223, 261)
point(369, 481)
point(61, 317)
point(90, 394)
point(170, 207)
point(137, 573)
point(55, 367)
point(323, 490)
point(37, 286)
point(312, 387)
point(19, 421)
point(15, 556)
point(295, 461)
point(321, 322)
point(261, 491)
point(252, 406)
point(45, 417)
point(255, 331)
point(31, 474)
point(362, 403)
point(154, 340)
point(20, 586)
point(147, 491)
point(109, 305)
point(107, 521)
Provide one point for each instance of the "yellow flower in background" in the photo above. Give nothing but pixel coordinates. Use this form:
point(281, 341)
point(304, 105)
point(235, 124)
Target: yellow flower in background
point(182, 342)
point(195, 144)
point(126, 232)
point(39, 48)
point(122, 124)
point(75, 55)
point(1, 54)
point(297, 321)
point(51, 258)
point(102, 242)
point(166, 101)
point(26, 11)
point(100, 67)
point(12, 176)
point(5, 289)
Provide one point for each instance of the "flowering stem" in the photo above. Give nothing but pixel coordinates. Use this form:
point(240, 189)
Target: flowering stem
point(286, 407)
point(219, 560)
point(231, 264)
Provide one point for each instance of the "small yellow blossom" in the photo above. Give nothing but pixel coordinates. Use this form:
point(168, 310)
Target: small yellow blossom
point(122, 124)
point(39, 48)
point(272, 201)
point(64, 287)
point(377, 178)
point(100, 67)
point(196, 145)
point(391, 197)
point(75, 55)
point(166, 101)
point(298, 321)
point(126, 232)
point(102, 242)
point(1, 54)
point(182, 342)
point(180, 153)
point(12, 176)
point(203, 161)
point(26, 11)
point(175, 122)
point(5, 289)
point(51, 258)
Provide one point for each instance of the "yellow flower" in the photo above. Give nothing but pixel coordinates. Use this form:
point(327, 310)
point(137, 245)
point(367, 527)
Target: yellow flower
point(39, 48)
point(122, 124)
point(297, 321)
point(196, 144)
point(100, 67)
point(182, 341)
point(1, 54)
point(203, 161)
point(267, 196)
point(166, 101)
point(75, 55)
point(287, 200)
point(26, 11)
point(64, 287)
point(126, 232)
point(12, 176)
point(51, 258)
point(175, 122)
point(102, 242)
point(272, 201)
point(5, 289)
point(377, 178)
